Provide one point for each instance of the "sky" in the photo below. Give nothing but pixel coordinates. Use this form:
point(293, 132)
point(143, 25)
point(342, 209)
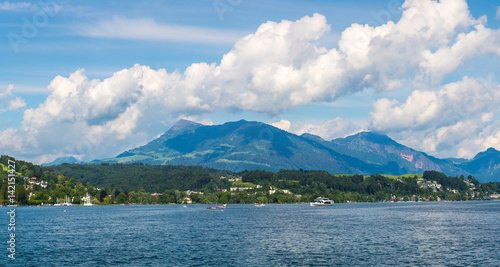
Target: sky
point(91, 79)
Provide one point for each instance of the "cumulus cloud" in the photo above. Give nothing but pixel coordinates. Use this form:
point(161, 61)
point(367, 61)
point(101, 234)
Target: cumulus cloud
point(429, 109)
point(283, 125)
point(277, 68)
point(328, 130)
point(149, 29)
point(442, 122)
point(9, 101)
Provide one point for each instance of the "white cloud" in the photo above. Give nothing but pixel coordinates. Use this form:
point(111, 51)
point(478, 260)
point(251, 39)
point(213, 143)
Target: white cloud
point(328, 130)
point(16, 103)
point(277, 68)
point(431, 109)
point(9, 101)
point(457, 120)
point(282, 124)
point(17, 6)
point(7, 92)
point(149, 29)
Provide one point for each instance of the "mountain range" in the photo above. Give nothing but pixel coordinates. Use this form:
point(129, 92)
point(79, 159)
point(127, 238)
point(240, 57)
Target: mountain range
point(246, 145)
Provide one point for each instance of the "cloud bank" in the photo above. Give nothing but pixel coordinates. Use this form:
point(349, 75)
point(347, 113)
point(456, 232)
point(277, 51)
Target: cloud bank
point(275, 69)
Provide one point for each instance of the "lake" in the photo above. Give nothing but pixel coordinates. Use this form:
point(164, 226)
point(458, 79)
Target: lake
point(359, 234)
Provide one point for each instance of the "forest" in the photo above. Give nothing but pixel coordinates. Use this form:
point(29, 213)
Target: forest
point(139, 183)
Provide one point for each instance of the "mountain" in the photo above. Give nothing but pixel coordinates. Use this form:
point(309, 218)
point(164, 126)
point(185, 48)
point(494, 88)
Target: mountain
point(485, 166)
point(375, 148)
point(61, 160)
point(244, 145)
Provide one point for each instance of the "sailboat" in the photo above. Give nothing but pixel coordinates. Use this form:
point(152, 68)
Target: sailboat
point(87, 201)
point(67, 202)
point(261, 205)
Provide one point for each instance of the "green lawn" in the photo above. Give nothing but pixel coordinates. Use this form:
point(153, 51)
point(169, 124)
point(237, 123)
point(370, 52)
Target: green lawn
point(242, 184)
point(401, 176)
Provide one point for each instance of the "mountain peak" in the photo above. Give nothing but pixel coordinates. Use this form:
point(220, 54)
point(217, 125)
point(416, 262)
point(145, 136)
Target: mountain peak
point(372, 137)
point(183, 123)
point(313, 137)
point(61, 160)
point(490, 152)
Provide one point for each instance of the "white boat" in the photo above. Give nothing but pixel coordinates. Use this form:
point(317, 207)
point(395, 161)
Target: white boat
point(88, 202)
point(321, 201)
point(67, 202)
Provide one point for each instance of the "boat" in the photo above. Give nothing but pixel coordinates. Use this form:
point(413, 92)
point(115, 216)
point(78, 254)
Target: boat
point(221, 207)
point(67, 202)
point(260, 205)
point(210, 208)
point(87, 201)
point(321, 201)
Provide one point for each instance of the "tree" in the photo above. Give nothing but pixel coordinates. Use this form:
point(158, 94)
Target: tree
point(4, 190)
point(21, 195)
point(102, 195)
point(133, 198)
point(122, 198)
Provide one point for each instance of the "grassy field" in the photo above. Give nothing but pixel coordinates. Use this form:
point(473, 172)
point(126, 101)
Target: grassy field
point(242, 184)
point(401, 176)
point(387, 175)
point(5, 169)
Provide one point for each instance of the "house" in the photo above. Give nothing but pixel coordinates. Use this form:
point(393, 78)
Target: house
point(189, 192)
point(286, 191)
point(187, 200)
point(235, 179)
point(495, 196)
point(239, 188)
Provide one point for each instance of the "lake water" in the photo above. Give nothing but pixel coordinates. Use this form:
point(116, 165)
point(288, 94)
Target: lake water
point(358, 234)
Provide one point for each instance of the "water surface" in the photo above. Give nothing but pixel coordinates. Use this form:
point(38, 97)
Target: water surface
point(437, 233)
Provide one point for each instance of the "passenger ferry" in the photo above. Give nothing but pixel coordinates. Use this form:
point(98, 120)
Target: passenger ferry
point(321, 201)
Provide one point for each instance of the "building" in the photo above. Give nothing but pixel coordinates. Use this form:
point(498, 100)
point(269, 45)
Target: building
point(187, 200)
point(235, 179)
point(495, 196)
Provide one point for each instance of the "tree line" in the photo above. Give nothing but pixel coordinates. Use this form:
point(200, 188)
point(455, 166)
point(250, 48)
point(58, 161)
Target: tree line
point(139, 183)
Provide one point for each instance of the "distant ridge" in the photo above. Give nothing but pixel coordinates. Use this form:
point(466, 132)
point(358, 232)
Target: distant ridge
point(485, 165)
point(249, 145)
point(61, 160)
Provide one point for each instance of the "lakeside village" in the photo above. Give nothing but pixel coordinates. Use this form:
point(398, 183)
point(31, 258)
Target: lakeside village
point(67, 192)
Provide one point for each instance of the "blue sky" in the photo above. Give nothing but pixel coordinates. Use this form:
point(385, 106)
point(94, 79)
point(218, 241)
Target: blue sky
point(429, 78)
